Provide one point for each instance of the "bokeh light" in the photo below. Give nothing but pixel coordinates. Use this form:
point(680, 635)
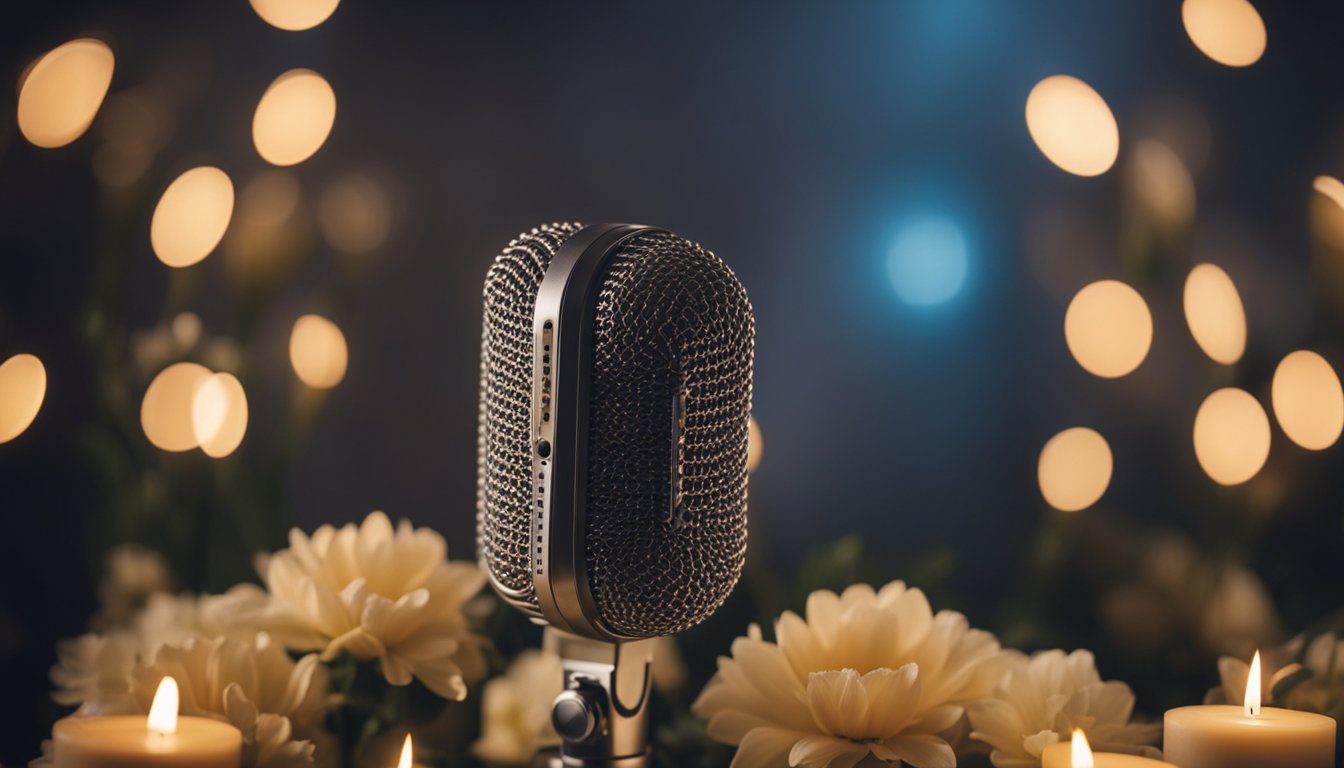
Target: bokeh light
point(166, 412)
point(1074, 469)
point(1214, 313)
point(1230, 32)
point(186, 329)
point(61, 93)
point(1330, 187)
point(219, 415)
point(1072, 125)
point(1162, 185)
point(1178, 123)
point(754, 445)
point(271, 231)
point(23, 387)
point(192, 216)
point(294, 15)
point(355, 214)
point(1108, 328)
point(317, 351)
point(1327, 211)
point(928, 261)
point(294, 117)
point(1308, 400)
point(1231, 436)
point(135, 125)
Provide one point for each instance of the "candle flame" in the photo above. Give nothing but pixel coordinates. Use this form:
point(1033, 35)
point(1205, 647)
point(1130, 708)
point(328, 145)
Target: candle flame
point(163, 712)
point(1082, 753)
point(1253, 688)
point(405, 761)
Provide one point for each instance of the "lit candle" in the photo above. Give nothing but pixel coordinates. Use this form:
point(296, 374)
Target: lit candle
point(1078, 754)
point(1249, 736)
point(161, 739)
point(407, 757)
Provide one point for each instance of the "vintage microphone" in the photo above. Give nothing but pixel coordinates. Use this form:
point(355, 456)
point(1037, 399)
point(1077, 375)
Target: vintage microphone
point(612, 457)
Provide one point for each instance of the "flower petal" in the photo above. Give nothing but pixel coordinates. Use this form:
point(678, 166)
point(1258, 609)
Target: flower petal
point(923, 751)
point(893, 696)
point(765, 748)
point(838, 702)
point(826, 752)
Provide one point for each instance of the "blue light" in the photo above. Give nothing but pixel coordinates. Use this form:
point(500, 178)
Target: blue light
point(928, 262)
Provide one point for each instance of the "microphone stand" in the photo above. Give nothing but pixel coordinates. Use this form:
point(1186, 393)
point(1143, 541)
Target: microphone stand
point(602, 715)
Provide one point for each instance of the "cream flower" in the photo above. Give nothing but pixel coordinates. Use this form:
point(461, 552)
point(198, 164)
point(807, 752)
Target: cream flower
point(1275, 665)
point(1323, 692)
point(133, 574)
point(276, 702)
point(1042, 699)
point(172, 618)
point(379, 593)
point(516, 710)
point(230, 671)
point(866, 673)
point(93, 673)
point(1320, 689)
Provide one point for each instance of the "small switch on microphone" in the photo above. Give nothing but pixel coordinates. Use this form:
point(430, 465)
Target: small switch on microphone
point(577, 713)
point(543, 448)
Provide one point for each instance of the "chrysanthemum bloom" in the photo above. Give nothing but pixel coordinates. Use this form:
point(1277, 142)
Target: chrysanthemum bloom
point(1276, 664)
point(378, 593)
point(867, 673)
point(174, 618)
point(93, 671)
point(1042, 699)
point(1318, 680)
point(276, 702)
point(1323, 692)
point(516, 710)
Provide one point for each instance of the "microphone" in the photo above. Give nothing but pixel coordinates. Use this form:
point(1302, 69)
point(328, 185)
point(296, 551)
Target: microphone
point(612, 457)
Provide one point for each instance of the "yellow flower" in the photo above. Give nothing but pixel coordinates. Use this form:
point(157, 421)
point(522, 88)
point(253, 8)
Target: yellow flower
point(1323, 691)
point(516, 710)
point(1276, 664)
point(1042, 699)
point(93, 671)
point(1320, 689)
point(867, 673)
point(378, 593)
point(276, 702)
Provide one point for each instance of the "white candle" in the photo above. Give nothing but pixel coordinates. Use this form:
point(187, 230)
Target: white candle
point(1249, 736)
point(160, 740)
point(1078, 754)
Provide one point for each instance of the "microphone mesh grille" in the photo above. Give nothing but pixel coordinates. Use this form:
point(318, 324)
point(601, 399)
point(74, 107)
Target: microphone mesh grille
point(503, 440)
point(671, 319)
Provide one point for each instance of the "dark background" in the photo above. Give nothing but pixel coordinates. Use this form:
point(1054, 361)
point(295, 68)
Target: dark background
point(792, 138)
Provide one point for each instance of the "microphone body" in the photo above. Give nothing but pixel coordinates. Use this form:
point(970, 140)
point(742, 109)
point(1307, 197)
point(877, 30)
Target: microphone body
point(612, 484)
